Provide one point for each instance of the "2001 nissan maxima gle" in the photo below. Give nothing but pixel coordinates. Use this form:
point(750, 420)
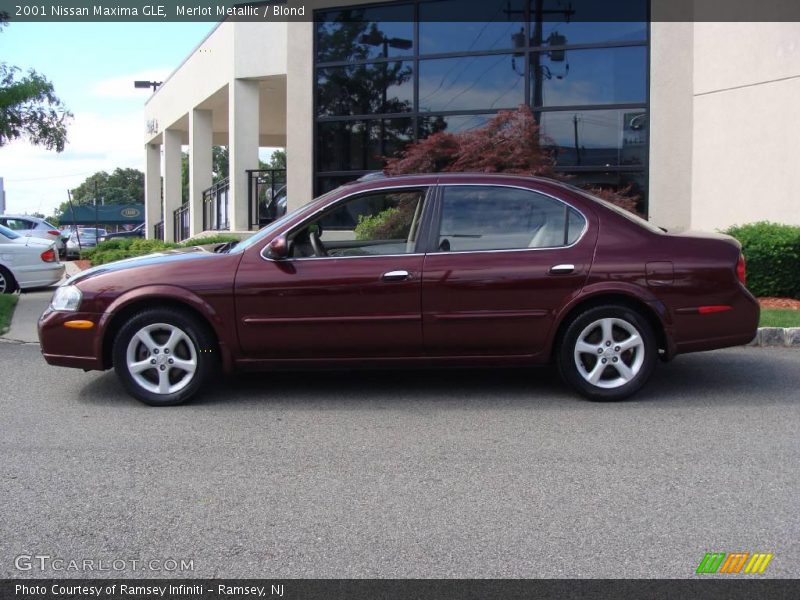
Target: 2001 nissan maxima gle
point(414, 270)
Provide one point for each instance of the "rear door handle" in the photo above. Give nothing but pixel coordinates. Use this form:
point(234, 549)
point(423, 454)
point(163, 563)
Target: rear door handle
point(564, 269)
point(396, 276)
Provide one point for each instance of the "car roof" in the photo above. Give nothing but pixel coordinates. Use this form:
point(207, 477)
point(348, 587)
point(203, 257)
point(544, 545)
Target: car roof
point(29, 217)
point(431, 178)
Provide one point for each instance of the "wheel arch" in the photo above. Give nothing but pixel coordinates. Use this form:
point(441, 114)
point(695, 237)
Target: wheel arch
point(651, 309)
point(119, 315)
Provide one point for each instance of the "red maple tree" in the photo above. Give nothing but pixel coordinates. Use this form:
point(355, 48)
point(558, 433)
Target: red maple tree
point(509, 143)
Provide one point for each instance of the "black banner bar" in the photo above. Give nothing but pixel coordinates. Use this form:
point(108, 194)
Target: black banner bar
point(398, 589)
point(66, 11)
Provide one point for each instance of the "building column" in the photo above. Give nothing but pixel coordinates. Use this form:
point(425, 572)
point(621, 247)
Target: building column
point(243, 134)
point(152, 189)
point(300, 115)
point(172, 180)
point(671, 124)
point(200, 165)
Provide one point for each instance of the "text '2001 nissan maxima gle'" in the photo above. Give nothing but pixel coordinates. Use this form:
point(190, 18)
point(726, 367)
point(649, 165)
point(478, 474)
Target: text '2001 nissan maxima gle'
point(416, 270)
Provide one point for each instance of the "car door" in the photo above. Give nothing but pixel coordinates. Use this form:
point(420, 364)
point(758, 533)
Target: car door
point(358, 298)
point(502, 261)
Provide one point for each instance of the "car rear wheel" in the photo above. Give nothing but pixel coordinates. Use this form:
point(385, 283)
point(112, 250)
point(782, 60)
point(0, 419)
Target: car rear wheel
point(164, 356)
point(7, 283)
point(607, 353)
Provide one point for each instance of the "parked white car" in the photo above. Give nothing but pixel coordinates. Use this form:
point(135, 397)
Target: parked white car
point(27, 262)
point(25, 225)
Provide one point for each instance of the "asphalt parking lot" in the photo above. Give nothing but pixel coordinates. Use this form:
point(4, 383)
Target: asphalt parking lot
point(480, 473)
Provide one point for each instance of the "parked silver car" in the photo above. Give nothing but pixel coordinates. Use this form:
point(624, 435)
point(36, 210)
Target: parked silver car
point(85, 237)
point(26, 225)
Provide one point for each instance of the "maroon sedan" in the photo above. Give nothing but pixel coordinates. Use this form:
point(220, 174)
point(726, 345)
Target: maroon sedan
point(419, 271)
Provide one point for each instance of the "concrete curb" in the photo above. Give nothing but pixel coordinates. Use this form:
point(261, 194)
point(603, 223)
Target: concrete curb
point(788, 337)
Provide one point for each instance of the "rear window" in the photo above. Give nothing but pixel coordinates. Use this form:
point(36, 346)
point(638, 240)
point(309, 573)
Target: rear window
point(620, 211)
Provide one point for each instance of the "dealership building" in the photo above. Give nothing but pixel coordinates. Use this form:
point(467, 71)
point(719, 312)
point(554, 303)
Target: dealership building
point(697, 119)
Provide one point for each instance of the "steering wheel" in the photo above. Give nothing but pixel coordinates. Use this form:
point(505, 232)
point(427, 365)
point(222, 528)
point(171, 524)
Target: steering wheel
point(316, 243)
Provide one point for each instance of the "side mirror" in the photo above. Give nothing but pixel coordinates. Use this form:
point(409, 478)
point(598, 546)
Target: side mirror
point(278, 248)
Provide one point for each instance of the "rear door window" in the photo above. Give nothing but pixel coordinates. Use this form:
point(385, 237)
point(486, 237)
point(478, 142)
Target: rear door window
point(480, 218)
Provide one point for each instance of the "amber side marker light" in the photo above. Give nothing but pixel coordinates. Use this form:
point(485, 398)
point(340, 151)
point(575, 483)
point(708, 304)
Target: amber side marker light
point(79, 324)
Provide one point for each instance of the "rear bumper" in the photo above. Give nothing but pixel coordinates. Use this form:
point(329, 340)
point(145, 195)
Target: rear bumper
point(43, 276)
point(695, 332)
point(65, 347)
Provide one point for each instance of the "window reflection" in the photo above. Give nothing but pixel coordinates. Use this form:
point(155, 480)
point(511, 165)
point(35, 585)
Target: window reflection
point(491, 26)
point(596, 137)
point(590, 102)
point(361, 145)
point(471, 83)
point(429, 125)
point(597, 76)
point(562, 22)
point(365, 33)
point(367, 89)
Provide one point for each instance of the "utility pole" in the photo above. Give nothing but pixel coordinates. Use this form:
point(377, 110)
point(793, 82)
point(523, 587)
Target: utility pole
point(577, 146)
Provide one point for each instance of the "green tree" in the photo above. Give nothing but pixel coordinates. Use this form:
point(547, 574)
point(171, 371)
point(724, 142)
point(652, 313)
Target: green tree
point(122, 186)
point(219, 169)
point(29, 107)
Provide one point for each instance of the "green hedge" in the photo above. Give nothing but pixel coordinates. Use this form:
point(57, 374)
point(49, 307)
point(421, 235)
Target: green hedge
point(120, 248)
point(772, 252)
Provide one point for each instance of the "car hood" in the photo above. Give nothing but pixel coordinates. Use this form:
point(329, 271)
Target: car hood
point(159, 258)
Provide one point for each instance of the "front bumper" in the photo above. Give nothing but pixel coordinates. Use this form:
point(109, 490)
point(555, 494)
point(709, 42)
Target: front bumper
point(65, 347)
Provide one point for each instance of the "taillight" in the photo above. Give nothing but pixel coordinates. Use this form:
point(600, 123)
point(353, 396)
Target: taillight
point(49, 255)
point(54, 232)
point(740, 270)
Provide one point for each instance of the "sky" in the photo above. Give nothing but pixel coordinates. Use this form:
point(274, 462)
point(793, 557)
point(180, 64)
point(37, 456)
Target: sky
point(93, 67)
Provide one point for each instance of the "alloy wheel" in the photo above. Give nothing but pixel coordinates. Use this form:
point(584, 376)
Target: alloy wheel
point(161, 358)
point(609, 353)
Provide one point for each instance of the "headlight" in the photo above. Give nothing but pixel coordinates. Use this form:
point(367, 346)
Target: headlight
point(67, 297)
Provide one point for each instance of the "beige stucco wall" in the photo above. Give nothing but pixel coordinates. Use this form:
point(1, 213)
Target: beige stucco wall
point(746, 149)
point(233, 50)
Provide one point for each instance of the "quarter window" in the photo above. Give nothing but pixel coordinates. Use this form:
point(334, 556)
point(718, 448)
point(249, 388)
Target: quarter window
point(476, 218)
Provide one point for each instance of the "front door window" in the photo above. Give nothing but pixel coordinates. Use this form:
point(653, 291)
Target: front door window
point(381, 223)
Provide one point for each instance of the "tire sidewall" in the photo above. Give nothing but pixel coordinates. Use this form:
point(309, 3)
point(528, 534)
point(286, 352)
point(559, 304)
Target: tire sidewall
point(566, 360)
point(204, 350)
point(11, 283)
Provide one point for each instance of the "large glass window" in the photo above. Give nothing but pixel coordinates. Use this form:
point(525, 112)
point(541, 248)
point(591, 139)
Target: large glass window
point(389, 74)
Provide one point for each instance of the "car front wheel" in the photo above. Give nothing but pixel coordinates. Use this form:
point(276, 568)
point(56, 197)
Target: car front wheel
point(164, 356)
point(607, 353)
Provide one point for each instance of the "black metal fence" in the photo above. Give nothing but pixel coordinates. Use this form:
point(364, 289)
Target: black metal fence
point(266, 196)
point(216, 200)
point(158, 231)
point(180, 222)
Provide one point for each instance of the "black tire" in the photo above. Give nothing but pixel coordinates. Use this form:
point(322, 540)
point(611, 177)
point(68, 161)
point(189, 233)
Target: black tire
point(8, 285)
point(578, 367)
point(198, 345)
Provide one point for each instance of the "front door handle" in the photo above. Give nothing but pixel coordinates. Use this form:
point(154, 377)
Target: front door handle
point(562, 269)
point(396, 276)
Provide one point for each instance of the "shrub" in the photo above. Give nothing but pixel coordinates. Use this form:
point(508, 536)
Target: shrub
point(212, 239)
point(772, 252)
point(119, 248)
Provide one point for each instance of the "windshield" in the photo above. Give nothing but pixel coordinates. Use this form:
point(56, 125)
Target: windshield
point(263, 233)
point(8, 233)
